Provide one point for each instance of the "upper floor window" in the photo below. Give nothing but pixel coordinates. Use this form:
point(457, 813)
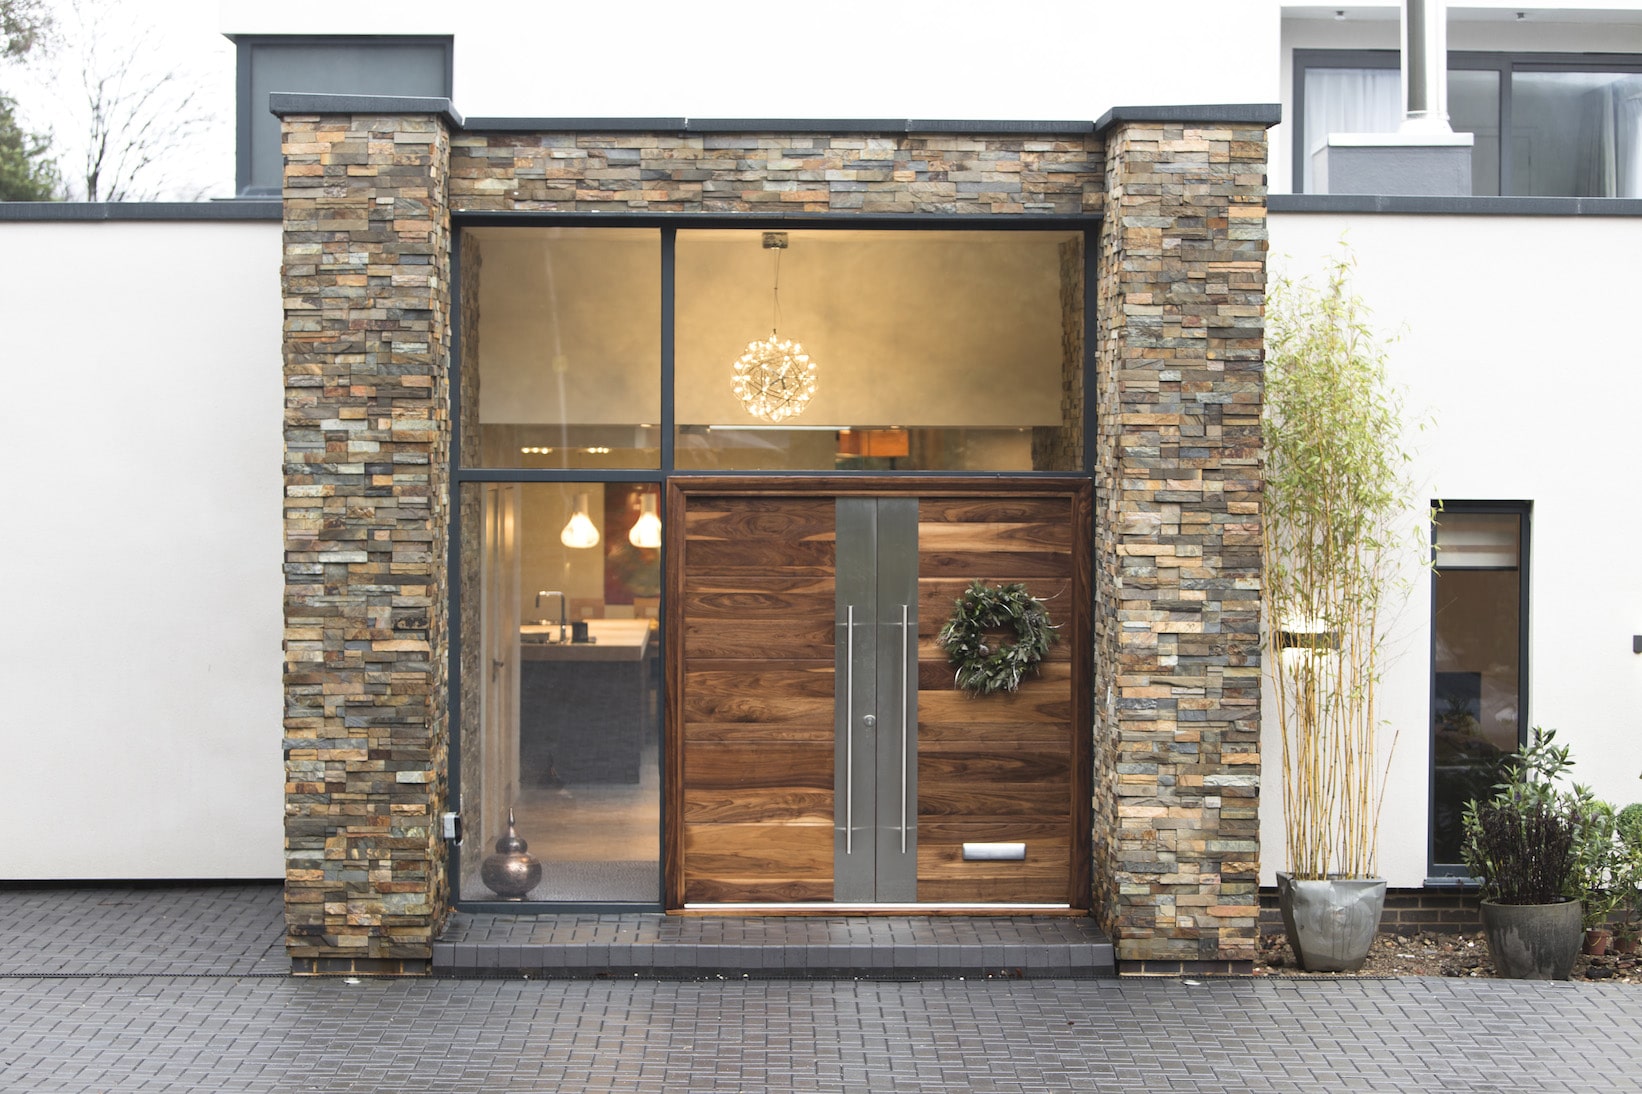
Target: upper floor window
point(1571, 127)
point(332, 65)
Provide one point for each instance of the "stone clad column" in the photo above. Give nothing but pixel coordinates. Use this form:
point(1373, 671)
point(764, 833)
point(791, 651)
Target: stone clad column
point(367, 431)
point(1179, 378)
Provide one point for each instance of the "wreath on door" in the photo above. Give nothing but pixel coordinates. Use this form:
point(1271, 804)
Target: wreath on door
point(985, 663)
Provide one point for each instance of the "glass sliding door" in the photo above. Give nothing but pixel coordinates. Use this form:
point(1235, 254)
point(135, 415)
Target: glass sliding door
point(1478, 650)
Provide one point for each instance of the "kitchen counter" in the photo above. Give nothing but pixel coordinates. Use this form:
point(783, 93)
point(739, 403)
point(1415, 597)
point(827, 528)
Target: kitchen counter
point(587, 708)
point(613, 640)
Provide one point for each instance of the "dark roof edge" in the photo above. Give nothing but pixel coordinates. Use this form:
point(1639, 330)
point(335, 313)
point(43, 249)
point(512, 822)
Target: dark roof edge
point(1261, 114)
point(896, 126)
point(1454, 206)
point(292, 102)
point(140, 210)
point(1264, 115)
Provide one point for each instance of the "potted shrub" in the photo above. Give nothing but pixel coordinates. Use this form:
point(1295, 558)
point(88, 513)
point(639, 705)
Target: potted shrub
point(1599, 870)
point(1333, 553)
point(1522, 845)
point(1624, 881)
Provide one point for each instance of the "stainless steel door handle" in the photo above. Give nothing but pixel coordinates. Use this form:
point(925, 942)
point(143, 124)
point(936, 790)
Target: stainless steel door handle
point(903, 729)
point(849, 730)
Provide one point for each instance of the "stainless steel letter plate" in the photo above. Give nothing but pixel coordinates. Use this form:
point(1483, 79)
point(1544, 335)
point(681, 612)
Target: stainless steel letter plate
point(994, 852)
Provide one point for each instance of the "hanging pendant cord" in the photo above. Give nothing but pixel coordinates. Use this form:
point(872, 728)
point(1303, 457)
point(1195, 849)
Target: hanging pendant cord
point(775, 294)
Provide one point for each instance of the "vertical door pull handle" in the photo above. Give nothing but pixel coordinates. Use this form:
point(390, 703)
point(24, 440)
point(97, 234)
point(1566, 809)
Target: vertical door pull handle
point(849, 730)
point(904, 675)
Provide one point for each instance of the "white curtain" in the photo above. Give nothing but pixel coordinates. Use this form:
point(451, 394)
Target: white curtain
point(1348, 100)
point(1609, 149)
point(1627, 138)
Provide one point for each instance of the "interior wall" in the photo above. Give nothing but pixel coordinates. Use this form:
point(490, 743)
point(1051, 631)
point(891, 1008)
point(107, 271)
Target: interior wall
point(906, 328)
point(141, 655)
point(546, 563)
point(571, 325)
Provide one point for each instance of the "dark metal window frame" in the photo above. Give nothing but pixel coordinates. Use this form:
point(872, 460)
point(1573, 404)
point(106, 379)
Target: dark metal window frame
point(1504, 63)
point(1454, 873)
point(669, 225)
point(245, 46)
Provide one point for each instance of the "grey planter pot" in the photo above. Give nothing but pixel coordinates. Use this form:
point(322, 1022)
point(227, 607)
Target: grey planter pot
point(1533, 941)
point(1331, 924)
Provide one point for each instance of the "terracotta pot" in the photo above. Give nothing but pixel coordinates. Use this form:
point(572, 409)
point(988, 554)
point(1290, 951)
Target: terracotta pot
point(1626, 943)
point(1533, 941)
point(1596, 942)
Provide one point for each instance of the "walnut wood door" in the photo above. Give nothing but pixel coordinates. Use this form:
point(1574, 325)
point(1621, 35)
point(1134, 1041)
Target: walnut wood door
point(820, 754)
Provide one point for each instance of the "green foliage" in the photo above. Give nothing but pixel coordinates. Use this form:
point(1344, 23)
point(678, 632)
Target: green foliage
point(1521, 843)
point(27, 173)
point(1337, 490)
point(1535, 842)
point(1629, 823)
point(24, 24)
point(986, 663)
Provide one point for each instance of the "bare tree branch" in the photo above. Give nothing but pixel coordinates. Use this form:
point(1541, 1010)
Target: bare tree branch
point(137, 112)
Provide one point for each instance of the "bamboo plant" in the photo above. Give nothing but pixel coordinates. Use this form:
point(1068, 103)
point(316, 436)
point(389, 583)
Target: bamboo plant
point(1337, 491)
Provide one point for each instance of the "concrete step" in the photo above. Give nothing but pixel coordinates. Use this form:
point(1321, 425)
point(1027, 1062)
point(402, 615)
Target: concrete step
point(655, 946)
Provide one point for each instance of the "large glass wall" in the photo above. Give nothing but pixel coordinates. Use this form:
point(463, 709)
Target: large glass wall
point(1477, 675)
point(932, 350)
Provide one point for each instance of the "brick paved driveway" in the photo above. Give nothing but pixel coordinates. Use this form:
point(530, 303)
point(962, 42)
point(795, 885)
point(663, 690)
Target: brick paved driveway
point(159, 1017)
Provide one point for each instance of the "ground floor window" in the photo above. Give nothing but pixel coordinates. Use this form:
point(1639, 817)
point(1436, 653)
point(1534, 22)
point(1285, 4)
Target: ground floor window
point(1479, 679)
point(561, 688)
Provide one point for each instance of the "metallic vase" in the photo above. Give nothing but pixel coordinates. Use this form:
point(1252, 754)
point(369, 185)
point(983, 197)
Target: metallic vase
point(512, 871)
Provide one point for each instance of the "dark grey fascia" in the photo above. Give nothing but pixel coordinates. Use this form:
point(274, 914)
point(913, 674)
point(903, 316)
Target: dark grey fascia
point(1459, 205)
point(140, 210)
point(1264, 115)
point(282, 103)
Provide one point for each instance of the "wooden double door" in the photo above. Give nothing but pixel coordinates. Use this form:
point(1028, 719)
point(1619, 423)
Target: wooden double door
point(820, 753)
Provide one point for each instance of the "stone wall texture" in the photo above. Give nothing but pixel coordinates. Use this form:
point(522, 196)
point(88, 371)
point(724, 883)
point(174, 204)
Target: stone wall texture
point(776, 174)
point(1179, 384)
point(365, 280)
point(1178, 381)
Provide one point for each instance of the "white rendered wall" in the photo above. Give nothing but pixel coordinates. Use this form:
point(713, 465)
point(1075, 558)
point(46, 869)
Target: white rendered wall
point(1061, 59)
point(1519, 339)
point(140, 647)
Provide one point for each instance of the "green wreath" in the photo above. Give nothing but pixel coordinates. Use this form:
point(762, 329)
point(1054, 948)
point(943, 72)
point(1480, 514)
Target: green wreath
point(987, 666)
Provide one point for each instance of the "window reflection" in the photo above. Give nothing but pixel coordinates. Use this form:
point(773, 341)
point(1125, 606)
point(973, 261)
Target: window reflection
point(1576, 134)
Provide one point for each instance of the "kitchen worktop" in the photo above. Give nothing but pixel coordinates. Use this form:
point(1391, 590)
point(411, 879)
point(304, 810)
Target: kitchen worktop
point(613, 640)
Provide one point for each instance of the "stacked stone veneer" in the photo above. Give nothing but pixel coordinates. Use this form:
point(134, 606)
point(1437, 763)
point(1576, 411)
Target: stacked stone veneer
point(776, 174)
point(367, 265)
point(1179, 383)
point(365, 282)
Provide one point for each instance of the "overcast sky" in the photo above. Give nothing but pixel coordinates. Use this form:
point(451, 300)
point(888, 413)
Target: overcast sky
point(148, 38)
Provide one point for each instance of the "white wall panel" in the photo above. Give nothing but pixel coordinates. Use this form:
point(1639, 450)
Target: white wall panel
point(140, 636)
point(1518, 337)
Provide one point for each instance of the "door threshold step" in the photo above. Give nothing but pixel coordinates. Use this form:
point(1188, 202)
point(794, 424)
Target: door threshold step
point(652, 946)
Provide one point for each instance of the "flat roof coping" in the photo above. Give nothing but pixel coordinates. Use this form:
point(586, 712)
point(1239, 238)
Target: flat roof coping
point(241, 209)
point(1262, 114)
